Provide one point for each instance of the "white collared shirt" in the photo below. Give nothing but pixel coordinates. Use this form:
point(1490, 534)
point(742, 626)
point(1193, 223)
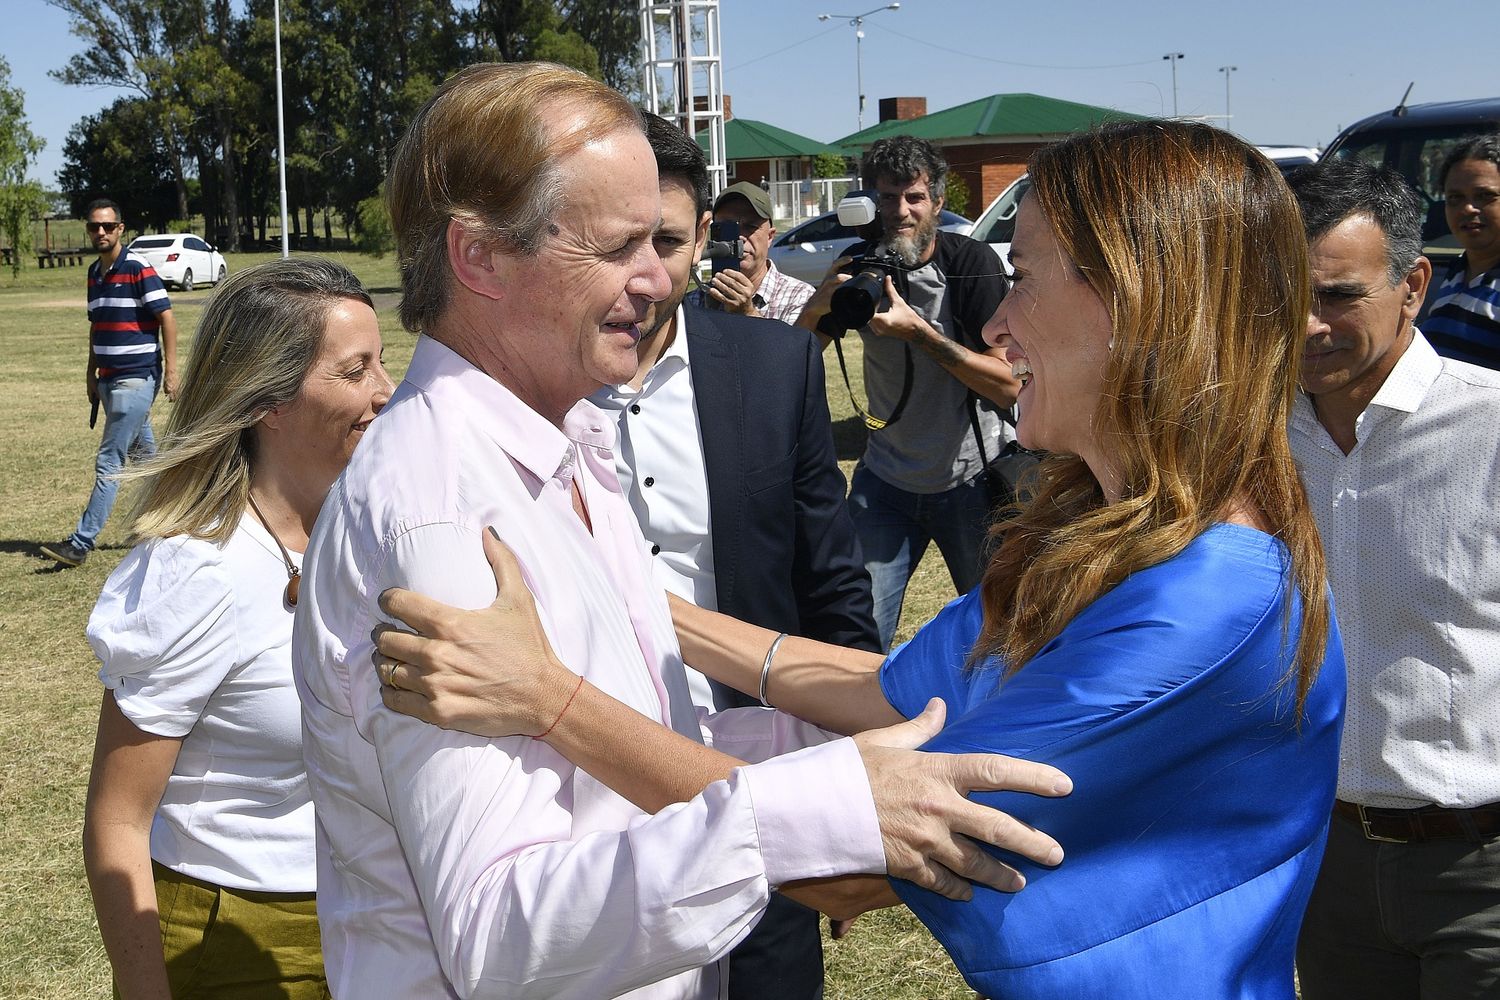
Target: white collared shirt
point(452, 865)
point(1410, 521)
point(660, 463)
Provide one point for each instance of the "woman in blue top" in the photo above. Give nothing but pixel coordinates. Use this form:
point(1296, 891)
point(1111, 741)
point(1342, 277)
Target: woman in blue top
point(1154, 622)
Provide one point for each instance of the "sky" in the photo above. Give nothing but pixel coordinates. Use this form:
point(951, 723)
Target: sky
point(1305, 68)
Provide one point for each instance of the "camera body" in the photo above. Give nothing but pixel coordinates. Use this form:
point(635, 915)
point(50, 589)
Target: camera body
point(725, 247)
point(857, 300)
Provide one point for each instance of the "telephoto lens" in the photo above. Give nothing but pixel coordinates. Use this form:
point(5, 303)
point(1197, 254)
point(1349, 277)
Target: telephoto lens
point(855, 301)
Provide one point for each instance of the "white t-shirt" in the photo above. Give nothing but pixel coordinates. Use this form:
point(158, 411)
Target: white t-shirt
point(195, 642)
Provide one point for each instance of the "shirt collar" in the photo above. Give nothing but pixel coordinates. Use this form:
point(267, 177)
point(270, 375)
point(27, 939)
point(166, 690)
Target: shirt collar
point(522, 433)
point(1413, 375)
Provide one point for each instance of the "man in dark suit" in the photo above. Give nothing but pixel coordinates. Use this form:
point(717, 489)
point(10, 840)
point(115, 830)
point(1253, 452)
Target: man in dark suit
point(726, 456)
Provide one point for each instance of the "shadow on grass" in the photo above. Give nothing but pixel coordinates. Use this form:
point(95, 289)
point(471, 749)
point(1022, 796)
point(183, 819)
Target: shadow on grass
point(27, 547)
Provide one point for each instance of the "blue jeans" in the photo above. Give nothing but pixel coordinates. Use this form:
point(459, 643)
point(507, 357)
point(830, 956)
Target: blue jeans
point(126, 403)
point(895, 527)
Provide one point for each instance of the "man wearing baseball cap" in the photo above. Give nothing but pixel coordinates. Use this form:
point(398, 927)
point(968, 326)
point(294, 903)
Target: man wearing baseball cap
point(757, 288)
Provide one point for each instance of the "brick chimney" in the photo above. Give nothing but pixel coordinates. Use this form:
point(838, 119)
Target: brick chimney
point(899, 109)
point(700, 105)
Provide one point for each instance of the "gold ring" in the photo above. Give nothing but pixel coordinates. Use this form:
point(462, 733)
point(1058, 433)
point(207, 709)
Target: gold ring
point(388, 674)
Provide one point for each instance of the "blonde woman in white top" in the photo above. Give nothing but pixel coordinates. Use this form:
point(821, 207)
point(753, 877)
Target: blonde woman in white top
point(198, 831)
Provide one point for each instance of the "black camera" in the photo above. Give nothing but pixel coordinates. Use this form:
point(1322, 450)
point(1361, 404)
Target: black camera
point(725, 246)
point(856, 301)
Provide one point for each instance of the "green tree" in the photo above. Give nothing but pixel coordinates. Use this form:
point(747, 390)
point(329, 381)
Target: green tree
point(830, 165)
point(135, 45)
point(119, 154)
point(21, 199)
point(957, 196)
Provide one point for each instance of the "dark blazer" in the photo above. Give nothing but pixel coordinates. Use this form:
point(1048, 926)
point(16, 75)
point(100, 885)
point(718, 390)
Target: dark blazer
point(785, 553)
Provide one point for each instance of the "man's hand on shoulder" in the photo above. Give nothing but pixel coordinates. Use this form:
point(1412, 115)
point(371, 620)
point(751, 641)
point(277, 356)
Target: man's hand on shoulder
point(926, 820)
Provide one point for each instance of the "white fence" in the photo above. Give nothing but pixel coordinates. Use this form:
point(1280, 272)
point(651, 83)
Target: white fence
point(795, 201)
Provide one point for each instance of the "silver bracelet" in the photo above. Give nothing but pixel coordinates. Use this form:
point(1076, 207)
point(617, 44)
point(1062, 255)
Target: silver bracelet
point(765, 668)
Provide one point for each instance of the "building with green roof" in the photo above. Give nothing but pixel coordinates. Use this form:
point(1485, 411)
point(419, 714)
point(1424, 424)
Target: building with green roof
point(756, 151)
point(988, 141)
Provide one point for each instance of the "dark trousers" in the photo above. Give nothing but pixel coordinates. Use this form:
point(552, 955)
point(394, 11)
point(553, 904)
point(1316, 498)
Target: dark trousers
point(1414, 921)
point(782, 959)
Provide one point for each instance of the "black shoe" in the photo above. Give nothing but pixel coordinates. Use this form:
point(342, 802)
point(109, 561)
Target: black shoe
point(66, 552)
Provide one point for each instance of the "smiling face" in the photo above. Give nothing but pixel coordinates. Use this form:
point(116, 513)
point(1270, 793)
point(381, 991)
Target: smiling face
point(1055, 332)
point(908, 217)
point(1472, 202)
point(579, 302)
point(1361, 323)
point(344, 389)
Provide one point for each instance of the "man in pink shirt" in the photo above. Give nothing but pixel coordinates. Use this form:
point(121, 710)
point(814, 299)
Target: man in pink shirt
point(524, 199)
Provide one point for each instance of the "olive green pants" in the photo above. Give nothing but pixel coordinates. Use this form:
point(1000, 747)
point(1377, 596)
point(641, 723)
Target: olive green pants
point(232, 944)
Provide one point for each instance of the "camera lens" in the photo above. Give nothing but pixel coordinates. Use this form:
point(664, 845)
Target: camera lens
point(855, 301)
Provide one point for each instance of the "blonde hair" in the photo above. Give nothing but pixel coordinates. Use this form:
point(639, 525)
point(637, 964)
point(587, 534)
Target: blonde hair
point(1195, 245)
point(257, 339)
point(479, 152)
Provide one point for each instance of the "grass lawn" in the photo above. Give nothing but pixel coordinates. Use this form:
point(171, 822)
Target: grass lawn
point(49, 944)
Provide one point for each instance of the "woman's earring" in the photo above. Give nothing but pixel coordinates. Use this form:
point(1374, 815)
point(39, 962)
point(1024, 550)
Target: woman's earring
point(1111, 341)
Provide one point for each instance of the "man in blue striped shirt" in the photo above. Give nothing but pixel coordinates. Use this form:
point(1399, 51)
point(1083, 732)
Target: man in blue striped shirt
point(1463, 320)
point(128, 307)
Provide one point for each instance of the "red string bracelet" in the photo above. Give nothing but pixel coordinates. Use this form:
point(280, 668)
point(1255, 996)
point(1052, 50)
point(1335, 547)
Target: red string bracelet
point(566, 705)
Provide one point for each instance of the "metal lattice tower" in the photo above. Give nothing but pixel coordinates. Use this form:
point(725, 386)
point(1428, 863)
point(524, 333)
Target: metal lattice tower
point(682, 71)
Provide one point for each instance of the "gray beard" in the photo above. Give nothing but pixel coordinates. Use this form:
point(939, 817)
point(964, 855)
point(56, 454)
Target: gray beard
point(911, 249)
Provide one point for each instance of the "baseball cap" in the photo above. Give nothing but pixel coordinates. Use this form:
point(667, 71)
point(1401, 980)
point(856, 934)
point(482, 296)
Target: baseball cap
point(758, 198)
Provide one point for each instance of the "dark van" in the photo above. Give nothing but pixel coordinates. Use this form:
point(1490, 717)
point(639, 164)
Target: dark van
point(1414, 140)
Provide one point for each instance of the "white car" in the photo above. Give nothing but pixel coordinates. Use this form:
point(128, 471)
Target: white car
point(997, 226)
point(182, 259)
point(806, 251)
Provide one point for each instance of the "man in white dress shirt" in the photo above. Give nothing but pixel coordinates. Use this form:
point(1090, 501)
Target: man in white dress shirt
point(1400, 453)
point(524, 200)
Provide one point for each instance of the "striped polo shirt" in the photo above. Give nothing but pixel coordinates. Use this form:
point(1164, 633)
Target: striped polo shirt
point(124, 305)
point(1463, 321)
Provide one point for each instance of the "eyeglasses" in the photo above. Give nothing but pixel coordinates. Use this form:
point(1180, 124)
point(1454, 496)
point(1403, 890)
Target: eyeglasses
point(102, 227)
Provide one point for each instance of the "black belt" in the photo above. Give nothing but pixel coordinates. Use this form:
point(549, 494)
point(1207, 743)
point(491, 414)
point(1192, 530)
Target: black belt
point(1412, 826)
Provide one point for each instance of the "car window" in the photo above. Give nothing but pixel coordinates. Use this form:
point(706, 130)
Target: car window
point(151, 242)
point(824, 228)
point(193, 243)
point(998, 223)
point(1417, 154)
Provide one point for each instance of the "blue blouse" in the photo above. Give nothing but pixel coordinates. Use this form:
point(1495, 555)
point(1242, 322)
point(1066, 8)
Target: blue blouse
point(1199, 811)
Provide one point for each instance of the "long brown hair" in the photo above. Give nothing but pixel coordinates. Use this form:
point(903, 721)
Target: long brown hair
point(1195, 245)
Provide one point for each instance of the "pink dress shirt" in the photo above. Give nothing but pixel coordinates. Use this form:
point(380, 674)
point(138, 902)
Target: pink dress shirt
point(452, 865)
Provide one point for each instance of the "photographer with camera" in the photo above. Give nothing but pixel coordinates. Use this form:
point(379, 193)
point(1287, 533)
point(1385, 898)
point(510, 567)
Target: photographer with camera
point(928, 374)
point(746, 281)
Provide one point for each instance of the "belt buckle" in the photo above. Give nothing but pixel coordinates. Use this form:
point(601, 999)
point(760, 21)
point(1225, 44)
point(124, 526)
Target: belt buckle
point(1364, 822)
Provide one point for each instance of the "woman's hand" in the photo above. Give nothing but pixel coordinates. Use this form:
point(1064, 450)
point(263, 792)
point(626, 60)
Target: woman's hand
point(490, 672)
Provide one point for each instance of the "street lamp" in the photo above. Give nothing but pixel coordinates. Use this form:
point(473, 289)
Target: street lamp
point(1172, 57)
point(858, 22)
point(1226, 70)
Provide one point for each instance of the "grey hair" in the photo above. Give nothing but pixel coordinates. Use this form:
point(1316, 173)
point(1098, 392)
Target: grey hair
point(904, 158)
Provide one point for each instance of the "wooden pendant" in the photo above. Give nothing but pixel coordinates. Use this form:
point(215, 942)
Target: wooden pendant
point(293, 587)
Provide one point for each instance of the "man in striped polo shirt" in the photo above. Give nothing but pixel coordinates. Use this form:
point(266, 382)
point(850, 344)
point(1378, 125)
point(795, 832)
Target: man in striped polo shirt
point(128, 305)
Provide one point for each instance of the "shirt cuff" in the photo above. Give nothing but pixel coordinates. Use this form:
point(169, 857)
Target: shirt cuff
point(815, 814)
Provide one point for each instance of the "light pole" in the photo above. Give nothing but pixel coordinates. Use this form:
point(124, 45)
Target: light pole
point(1226, 70)
point(286, 239)
point(858, 22)
point(1172, 57)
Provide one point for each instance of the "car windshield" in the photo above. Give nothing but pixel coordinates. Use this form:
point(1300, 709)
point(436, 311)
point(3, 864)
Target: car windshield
point(998, 223)
point(152, 242)
point(1417, 154)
